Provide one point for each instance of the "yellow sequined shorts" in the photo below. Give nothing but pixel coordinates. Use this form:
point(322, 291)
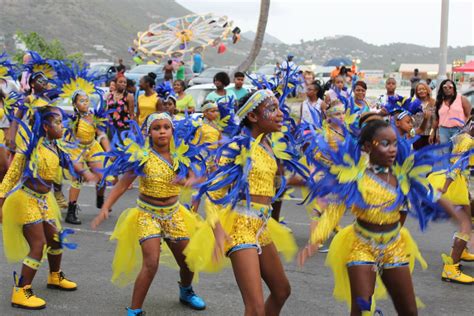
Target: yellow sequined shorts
point(161, 222)
point(86, 153)
point(386, 250)
point(22, 208)
point(31, 207)
point(249, 228)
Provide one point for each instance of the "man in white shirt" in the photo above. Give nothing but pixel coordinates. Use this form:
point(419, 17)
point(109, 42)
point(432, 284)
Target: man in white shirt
point(288, 63)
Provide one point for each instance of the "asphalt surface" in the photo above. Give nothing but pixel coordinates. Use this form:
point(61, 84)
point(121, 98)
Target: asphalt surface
point(312, 286)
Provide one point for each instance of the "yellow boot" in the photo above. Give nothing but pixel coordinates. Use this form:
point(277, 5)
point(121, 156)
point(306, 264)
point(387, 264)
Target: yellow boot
point(453, 273)
point(57, 280)
point(23, 297)
point(467, 256)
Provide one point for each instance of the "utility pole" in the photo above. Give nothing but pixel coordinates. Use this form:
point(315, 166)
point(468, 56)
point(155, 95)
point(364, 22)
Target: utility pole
point(443, 40)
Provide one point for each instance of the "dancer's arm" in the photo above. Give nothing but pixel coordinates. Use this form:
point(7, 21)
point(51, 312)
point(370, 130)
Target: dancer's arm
point(103, 140)
point(117, 191)
point(13, 175)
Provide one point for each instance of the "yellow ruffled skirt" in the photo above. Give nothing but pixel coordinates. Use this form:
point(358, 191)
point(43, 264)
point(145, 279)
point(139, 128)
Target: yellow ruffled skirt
point(247, 228)
point(458, 191)
point(135, 225)
point(347, 247)
point(26, 207)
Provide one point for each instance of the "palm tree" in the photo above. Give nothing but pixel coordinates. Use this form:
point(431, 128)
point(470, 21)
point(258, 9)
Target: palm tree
point(258, 41)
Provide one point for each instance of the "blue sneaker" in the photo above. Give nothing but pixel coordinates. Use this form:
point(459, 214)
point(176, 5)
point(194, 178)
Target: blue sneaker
point(189, 298)
point(135, 312)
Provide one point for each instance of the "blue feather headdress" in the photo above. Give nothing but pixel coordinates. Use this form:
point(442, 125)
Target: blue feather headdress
point(8, 70)
point(35, 136)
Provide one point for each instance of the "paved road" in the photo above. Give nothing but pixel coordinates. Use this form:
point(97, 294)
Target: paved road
point(311, 287)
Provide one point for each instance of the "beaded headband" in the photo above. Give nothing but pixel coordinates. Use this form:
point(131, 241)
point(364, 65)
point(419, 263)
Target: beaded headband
point(209, 105)
point(155, 117)
point(255, 100)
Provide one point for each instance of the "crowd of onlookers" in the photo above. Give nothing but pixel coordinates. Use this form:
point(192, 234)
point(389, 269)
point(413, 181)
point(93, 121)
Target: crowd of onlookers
point(438, 118)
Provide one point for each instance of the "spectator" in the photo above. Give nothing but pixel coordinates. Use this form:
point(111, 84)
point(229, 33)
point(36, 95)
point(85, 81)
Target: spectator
point(276, 70)
point(168, 69)
point(430, 84)
point(180, 74)
point(338, 87)
point(112, 85)
point(423, 93)
point(452, 112)
point(120, 105)
point(121, 67)
point(184, 102)
point(132, 89)
point(288, 64)
point(238, 88)
point(360, 102)
point(314, 100)
point(390, 87)
point(148, 102)
point(335, 72)
point(414, 81)
point(308, 78)
point(221, 80)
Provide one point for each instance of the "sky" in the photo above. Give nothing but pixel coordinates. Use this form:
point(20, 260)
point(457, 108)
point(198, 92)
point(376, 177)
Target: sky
point(374, 21)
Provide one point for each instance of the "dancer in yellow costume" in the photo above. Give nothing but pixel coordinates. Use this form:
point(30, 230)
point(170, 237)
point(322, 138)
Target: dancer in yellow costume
point(40, 74)
point(31, 225)
point(87, 126)
point(453, 183)
point(239, 222)
point(333, 132)
point(162, 166)
point(374, 185)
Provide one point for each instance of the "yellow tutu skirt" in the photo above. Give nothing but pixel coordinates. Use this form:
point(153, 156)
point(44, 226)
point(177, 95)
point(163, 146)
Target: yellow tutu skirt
point(457, 193)
point(134, 225)
point(242, 230)
point(340, 251)
point(26, 208)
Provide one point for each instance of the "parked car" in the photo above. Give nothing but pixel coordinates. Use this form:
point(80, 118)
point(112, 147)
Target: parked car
point(103, 71)
point(207, 76)
point(139, 71)
point(200, 92)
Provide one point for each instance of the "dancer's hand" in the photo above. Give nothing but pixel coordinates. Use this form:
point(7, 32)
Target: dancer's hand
point(221, 237)
point(308, 251)
point(103, 215)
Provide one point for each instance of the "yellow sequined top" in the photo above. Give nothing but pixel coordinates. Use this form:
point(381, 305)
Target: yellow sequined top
point(85, 132)
point(333, 138)
point(47, 168)
point(262, 174)
point(158, 178)
point(207, 134)
point(377, 193)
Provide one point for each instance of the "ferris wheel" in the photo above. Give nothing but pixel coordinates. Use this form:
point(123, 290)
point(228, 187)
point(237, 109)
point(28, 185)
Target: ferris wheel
point(188, 34)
